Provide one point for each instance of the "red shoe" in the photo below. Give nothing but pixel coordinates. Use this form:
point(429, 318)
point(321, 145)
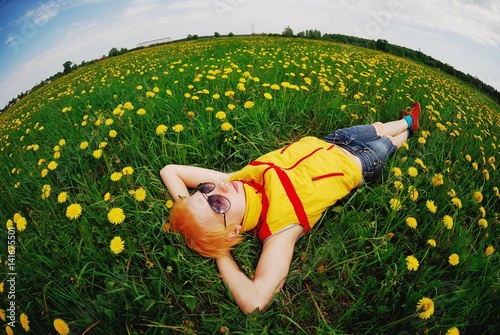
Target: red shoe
point(415, 116)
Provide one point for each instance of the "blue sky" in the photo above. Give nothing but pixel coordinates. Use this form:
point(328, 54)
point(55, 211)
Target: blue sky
point(38, 36)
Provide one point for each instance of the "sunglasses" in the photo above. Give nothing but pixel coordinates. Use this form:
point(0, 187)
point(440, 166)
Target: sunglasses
point(219, 204)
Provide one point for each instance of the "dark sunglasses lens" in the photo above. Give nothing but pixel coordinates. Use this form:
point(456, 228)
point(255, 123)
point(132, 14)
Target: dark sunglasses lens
point(206, 187)
point(219, 203)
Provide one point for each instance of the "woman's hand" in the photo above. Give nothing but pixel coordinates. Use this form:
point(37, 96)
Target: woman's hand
point(179, 178)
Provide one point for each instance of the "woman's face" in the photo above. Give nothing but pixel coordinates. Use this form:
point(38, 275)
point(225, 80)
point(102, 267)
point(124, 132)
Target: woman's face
point(233, 191)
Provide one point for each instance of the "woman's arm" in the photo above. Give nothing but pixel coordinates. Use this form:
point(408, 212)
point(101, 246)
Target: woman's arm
point(179, 178)
point(270, 274)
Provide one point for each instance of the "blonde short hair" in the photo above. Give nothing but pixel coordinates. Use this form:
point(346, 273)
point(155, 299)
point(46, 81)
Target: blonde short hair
point(208, 241)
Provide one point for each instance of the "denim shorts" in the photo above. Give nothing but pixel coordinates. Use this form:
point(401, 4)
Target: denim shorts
point(363, 141)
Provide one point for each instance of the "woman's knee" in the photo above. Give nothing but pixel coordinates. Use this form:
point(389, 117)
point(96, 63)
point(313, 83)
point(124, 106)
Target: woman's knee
point(379, 128)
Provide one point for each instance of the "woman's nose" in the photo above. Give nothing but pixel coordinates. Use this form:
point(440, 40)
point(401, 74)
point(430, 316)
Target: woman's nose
point(222, 187)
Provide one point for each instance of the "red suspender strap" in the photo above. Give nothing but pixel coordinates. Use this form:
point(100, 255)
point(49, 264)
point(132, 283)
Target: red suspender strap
point(290, 192)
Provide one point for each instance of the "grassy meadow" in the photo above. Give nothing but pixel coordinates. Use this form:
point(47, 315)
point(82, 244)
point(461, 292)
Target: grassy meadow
point(85, 244)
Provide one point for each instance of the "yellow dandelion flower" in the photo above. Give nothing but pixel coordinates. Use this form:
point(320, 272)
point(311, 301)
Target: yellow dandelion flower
point(412, 263)
point(112, 133)
point(140, 194)
point(117, 245)
point(482, 223)
point(412, 172)
point(453, 331)
point(431, 242)
point(248, 104)
point(9, 225)
point(456, 202)
point(448, 221)
point(398, 185)
point(9, 330)
point(426, 308)
point(229, 94)
point(73, 211)
point(109, 122)
point(97, 153)
point(2, 312)
point(107, 196)
point(486, 174)
point(20, 222)
point(103, 145)
point(431, 206)
point(128, 106)
point(489, 250)
point(412, 190)
point(115, 176)
point(483, 211)
point(61, 327)
point(395, 204)
point(62, 197)
point(190, 114)
point(57, 155)
point(268, 96)
point(52, 165)
point(178, 128)
point(396, 171)
point(161, 129)
point(275, 87)
point(454, 259)
point(231, 107)
point(421, 140)
point(421, 163)
point(169, 203)
point(84, 145)
point(452, 193)
point(220, 115)
point(437, 180)
point(411, 222)
point(141, 111)
point(46, 191)
point(478, 196)
point(116, 215)
point(128, 170)
point(150, 94)
point(226, 126)
point(23, 319)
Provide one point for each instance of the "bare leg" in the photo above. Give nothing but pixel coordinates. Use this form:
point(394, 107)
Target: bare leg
point(399, 139)
point(392, 128)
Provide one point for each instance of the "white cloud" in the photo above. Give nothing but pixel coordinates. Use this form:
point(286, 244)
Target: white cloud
point(42, 14)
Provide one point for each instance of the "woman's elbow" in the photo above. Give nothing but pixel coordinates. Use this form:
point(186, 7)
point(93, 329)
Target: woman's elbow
point(255, 306)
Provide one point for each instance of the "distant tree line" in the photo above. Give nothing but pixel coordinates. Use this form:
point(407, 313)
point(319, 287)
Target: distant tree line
point(380, 44)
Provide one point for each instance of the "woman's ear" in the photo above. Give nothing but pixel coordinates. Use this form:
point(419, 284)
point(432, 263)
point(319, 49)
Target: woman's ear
point(234, 233)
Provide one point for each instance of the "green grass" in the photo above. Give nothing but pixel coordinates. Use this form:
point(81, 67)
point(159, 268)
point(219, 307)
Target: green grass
point(348, 276)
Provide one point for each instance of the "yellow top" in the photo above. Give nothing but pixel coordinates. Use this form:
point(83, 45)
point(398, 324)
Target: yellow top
point(294, 185)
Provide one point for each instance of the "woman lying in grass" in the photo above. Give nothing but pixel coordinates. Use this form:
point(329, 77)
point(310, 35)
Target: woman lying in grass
point(279, 197)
